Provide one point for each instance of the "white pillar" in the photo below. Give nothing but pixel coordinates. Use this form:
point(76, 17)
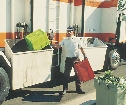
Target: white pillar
point(64, 18)
point(40, 15)
point(12, 18)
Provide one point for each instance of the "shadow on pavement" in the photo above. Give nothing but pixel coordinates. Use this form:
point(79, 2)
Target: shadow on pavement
point(40, 96)
point(50, 84)
point(43, 96)
point(36, 96)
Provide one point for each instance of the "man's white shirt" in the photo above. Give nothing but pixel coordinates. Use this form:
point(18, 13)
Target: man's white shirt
point(71, 45)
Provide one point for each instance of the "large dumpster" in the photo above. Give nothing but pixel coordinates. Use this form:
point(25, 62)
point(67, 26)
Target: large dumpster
point(95, 50)
point(28, 67)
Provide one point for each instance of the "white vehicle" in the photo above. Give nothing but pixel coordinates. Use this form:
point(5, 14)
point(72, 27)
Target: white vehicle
point(98, 22)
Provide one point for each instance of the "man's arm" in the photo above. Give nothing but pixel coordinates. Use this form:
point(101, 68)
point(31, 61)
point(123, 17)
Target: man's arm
point(56, 46)
point(82, 50)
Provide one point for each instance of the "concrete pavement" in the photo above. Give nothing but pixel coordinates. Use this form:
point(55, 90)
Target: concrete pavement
point(90, 97)
point(87, 99)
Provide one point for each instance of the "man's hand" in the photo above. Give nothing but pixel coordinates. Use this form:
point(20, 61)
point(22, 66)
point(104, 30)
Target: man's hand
point(85, 56)
point(77, 60)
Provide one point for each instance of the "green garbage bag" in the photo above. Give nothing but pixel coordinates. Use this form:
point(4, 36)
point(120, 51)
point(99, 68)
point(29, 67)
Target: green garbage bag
point(37, 40)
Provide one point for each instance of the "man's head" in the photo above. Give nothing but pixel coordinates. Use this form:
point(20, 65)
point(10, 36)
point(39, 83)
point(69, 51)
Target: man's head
point(70, 31)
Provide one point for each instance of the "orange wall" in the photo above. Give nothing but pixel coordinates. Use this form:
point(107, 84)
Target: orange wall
point(67, 1)
point(96, 3)
point(4, 36)
point(59, 36)
point(103, 36)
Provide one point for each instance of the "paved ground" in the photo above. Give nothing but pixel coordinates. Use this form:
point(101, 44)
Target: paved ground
point(48, 93)
point(87, 99)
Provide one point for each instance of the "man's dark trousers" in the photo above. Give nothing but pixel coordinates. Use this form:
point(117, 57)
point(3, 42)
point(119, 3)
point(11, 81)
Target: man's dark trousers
point(69, 63)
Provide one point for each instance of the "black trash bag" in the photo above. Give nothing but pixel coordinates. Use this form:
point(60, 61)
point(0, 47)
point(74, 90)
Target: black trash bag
point(20, 46)
point(46, 47)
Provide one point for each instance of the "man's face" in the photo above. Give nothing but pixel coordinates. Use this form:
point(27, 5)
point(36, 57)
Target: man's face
point(69, 33)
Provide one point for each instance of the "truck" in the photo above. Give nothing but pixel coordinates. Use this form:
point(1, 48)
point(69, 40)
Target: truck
point(99, 25)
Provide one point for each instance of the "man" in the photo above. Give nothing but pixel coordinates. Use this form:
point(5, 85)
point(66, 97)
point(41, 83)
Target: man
point(71, 46)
